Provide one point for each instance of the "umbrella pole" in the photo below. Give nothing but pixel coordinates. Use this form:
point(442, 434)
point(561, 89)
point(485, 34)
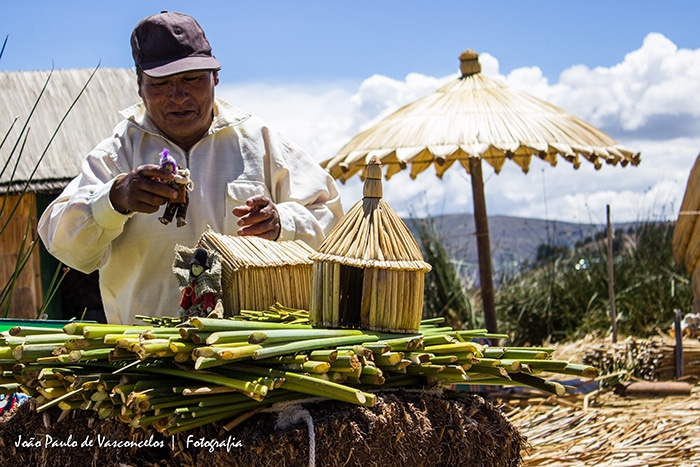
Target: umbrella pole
point(483, 244)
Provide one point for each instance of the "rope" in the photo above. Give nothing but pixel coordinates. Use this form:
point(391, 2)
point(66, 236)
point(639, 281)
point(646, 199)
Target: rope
point(291, 412)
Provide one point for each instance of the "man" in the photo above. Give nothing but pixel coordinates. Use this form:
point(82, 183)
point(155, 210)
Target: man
point(248, 179)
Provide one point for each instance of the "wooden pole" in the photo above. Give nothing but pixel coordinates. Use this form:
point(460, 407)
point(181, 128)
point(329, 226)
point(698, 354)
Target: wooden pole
point(611, 278)
point(654, 388)
point(483, 244)
point(678, 330)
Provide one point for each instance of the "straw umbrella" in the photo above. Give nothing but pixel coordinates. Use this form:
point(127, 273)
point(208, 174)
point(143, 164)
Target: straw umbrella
point(471, 119)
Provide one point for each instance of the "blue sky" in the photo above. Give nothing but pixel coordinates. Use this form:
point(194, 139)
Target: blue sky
point(321, 71)
point(312, 40)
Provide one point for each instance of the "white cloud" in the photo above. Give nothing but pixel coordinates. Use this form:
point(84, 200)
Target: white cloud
point(650, 87)
point(318, 118)
point(379, 96)
point(649, 102)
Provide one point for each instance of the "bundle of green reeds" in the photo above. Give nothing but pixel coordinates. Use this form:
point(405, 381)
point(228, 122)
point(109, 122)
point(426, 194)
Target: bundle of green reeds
point(220, 369)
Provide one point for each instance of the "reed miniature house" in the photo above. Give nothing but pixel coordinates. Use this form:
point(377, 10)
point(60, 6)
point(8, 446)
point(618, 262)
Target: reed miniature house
point(369, 271)
point(257, 273)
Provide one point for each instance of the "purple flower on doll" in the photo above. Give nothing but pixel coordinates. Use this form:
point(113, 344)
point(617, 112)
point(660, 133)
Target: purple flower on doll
point(167, 160)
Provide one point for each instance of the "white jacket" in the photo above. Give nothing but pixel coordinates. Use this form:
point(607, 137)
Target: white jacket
point(238, 158)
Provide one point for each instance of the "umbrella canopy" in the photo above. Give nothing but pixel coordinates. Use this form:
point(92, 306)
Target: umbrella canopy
point(473, 118)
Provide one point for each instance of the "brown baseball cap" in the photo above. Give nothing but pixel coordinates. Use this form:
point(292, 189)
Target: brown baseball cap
point(170, 43)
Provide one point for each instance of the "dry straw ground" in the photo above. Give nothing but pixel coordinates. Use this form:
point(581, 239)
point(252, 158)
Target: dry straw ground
point(612, 431)
point(605, 429)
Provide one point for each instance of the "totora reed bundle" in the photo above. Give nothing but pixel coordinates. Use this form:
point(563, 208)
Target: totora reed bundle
point(175, 378)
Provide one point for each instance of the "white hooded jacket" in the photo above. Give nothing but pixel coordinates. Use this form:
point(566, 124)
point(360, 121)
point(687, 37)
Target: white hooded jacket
point(239, 157)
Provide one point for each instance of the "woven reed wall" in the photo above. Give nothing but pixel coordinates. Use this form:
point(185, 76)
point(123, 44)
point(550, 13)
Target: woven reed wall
point(27, 294)
point(91, 119)
point(388, 300)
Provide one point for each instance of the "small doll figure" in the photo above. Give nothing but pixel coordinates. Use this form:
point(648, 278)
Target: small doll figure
point(183, 184)
point(200, 297)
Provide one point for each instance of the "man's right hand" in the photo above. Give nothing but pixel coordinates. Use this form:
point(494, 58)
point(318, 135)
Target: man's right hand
point(144, 189)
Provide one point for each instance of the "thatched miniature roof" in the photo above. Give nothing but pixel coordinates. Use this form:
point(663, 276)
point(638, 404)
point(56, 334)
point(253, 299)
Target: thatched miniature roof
point(371, 234)
point(91, 120)
point(256, 252)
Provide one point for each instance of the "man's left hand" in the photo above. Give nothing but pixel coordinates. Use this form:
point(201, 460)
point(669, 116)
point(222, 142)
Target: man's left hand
point(258, 217)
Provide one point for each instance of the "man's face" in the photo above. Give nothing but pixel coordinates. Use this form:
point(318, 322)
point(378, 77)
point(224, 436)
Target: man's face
point(180, 105)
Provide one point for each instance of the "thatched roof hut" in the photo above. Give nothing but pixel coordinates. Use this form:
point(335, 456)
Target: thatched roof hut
point(86, 123)
point(369, 271)
point(257, 273)
point(48, 127)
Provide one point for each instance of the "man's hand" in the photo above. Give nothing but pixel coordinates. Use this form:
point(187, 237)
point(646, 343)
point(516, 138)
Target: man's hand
point(144, 189)
point(259, 217)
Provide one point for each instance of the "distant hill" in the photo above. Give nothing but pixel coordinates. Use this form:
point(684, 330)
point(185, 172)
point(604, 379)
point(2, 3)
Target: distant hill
point(514, 240)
